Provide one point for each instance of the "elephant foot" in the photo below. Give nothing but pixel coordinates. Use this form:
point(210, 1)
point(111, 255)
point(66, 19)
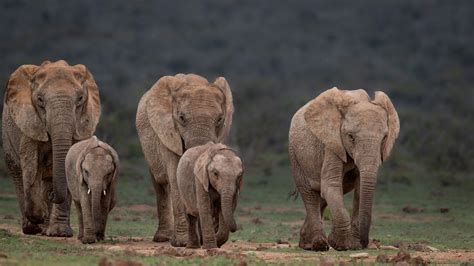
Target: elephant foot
point(30, 228)
point(317, 243)
point(193, 245)
point(88, 239)
point(179, 241)
point(161, 236)
point(221, 239)
point(342, 242)
point(320, 243)
point(59, 230)
point(99, 236)
point(209, 246)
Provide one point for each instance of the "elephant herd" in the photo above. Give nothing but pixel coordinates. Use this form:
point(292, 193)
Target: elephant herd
point(337, 142)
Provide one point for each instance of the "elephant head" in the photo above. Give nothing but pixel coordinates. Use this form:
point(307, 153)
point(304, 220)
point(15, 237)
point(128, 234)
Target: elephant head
point(222, 169)
point(55, 102)
point(349, 123)
point(188, 110)
point(97, 168)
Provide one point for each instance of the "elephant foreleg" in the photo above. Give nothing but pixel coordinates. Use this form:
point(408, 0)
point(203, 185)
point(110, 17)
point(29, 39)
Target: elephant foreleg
point(332, 192)
point(15, 171)
point(59, 225)
point(180, 236)
point(163, 206)
point(80, 221)
point(193, 238)
point(206, 219)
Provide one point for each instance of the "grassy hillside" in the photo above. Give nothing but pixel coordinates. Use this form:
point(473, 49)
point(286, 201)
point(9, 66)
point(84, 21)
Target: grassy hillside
point(276, 56)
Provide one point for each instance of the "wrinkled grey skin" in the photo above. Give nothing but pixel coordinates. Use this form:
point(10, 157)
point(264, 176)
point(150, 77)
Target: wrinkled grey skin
point(178, 113)
point(92, 169)
point(209, 181)
point(46, 109)
point(336, 143)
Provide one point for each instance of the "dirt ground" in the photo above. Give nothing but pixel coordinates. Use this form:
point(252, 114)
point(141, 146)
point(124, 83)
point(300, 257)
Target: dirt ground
point(268, 252)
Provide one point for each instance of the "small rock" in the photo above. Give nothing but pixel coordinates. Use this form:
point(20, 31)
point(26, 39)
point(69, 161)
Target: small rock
point(3, 256)
point(361, 255)
point(260, 248)
point(241, 263)
point(382, 258)
point(402, 256)
point(410, 209)
point(257, 221)
point(279, 241)
point(8, 217)
point(433, 249)
point(327, 261)
point(443, 210)
point(388, 248)
point(419, 261)
point(115, 248)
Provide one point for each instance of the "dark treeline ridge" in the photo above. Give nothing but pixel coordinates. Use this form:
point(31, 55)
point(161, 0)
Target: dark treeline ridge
point(276, 55)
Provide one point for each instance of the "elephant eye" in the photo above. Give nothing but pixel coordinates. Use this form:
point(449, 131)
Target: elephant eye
point(220, 119)
point(182, 119)
point(79, 99)
point(40, 100)
point(351, 137)
point(215, 173)
point(86, 173)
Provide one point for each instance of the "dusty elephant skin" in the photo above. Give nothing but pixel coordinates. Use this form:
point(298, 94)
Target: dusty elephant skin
point(178, 113)
point(92, 169)
point(336, 144)
point(46, 109)
point(209, 181)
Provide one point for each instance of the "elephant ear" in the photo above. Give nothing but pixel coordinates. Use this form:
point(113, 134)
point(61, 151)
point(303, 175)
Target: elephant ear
point(90, 113)
point(200, 168)
point(87, 146)
point(114, 155)
point(159, 109)
point(228, 108)
point(19, 103)
point(324, 117)
point(381, 99)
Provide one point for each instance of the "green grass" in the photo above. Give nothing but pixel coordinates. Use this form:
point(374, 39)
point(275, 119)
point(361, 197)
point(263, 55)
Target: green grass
point(265, 214)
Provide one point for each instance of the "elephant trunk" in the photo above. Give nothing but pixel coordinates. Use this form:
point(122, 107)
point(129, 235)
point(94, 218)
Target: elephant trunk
point(368, 178)
point(96, 209)
point(61, 129)
point(227, 207)
point(199, 133)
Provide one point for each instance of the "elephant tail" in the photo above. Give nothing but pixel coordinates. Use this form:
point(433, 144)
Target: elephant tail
point(293, 194)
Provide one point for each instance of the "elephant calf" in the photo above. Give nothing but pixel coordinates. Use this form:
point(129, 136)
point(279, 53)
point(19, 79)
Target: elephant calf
point(337, 142)
point(91, 170)
point(209, 180)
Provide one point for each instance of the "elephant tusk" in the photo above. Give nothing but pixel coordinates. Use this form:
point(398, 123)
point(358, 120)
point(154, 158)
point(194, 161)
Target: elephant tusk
point(105, 193)
point(89, 191)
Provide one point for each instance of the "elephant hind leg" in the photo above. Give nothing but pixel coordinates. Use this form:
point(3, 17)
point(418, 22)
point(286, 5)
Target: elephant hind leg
point(163, 206)
point(312, 235)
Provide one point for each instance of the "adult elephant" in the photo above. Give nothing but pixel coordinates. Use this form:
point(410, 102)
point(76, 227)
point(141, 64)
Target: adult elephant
point(46, 109)
point(177, 113)
point(337, 142)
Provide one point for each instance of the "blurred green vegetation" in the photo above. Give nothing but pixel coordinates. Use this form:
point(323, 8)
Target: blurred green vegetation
point(276, 57)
